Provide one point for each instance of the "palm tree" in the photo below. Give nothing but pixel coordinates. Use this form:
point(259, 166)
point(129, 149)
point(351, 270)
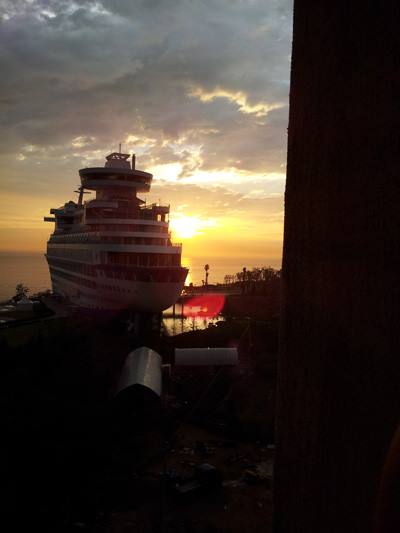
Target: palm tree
point(206, 268)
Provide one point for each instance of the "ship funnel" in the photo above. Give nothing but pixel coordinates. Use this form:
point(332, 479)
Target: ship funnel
point(133, 161)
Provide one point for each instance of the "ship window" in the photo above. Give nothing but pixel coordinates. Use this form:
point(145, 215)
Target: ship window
point(153, 260)
point(143, 259)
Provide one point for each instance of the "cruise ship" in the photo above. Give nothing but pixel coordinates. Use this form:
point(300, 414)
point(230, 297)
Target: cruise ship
point(114, 252)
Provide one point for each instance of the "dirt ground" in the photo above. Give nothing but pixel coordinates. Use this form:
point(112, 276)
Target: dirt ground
point(242, 503)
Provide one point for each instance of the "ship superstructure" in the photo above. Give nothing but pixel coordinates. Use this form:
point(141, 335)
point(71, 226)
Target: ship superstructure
point(115, 252)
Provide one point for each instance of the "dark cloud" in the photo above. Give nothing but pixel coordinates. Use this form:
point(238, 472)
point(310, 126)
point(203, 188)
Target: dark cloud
point(111, 68)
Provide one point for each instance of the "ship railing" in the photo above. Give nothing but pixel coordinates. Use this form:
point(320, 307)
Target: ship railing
point(141, 215)
point(90, 236)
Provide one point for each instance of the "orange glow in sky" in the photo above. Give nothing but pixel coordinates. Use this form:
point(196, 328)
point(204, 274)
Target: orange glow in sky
point(214, 141)
point(187, 226)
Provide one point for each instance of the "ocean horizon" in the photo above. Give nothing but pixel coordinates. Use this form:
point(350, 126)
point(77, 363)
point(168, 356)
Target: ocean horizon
point(30, 268)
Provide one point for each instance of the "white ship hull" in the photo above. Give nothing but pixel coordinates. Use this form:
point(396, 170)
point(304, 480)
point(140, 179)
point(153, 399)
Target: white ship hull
point(146, 297)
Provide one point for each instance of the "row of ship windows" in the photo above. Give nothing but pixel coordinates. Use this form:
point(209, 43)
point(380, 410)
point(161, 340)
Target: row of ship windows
point(145, 260)
point(134, 240)
point(75, 238)
point(69, 253)
point(154, 275)
point(142, 214)
point(81, 268)
point(160, 276)
point(142, 259)
point(70, 277)
point(130, 227)
point(116, 258)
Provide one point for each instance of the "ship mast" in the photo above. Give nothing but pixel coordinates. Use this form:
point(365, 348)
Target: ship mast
point(81, 191)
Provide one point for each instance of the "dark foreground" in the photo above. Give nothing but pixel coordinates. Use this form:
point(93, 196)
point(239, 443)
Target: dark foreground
point(75, 458)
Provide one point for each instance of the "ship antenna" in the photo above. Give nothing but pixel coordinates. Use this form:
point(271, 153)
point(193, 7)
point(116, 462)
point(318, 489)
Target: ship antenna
point(120, 148)
point(81, 192)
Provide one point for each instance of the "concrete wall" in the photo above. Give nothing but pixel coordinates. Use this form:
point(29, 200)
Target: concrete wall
point(339, 369)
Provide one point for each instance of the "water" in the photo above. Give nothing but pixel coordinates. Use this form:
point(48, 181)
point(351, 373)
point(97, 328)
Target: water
point(31, 270)
point(27, 268)
point(182, 324)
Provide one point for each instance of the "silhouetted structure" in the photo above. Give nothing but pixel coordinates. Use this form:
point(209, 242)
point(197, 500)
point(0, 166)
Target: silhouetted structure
point(206, 268)
point(339, 369)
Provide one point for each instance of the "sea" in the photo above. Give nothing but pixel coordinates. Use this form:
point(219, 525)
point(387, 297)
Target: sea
point(30, 268)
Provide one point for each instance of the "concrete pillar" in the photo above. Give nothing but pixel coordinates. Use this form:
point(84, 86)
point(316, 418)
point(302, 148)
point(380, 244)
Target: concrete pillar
point(339, 368)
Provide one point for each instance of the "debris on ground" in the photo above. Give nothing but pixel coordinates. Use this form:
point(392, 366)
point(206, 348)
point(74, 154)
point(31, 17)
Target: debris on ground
point(261, 473)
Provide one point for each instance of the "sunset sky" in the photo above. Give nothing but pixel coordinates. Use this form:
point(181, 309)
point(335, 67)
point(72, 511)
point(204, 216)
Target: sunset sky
point(198, 89)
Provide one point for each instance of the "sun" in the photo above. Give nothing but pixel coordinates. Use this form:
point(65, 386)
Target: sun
point(187, 227)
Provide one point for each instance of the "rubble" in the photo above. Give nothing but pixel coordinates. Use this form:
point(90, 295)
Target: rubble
point(261, 473)
point(206, 477)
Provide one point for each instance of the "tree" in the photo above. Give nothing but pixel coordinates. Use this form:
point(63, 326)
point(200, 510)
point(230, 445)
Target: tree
point(206, 268)
point(270, 274)
point(21, 291)
point(256, 274)
point(244, 272)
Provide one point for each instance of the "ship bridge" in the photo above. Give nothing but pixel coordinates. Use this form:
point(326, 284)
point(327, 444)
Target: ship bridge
point(117, 174)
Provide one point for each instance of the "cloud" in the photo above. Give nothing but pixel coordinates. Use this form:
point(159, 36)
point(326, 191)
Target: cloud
point(218, 202)
point(198, 89)
point(213, 72)
point(260, 109)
